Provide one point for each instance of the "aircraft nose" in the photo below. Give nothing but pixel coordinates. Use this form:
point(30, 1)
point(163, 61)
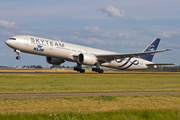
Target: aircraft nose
point(7, 42)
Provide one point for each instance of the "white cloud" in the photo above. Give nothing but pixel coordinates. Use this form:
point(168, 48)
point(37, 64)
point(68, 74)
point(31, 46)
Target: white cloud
point(90, 35)
point(96, 32)
point(26, 32)
point(123, 35)
point(7, 33)
point(8, 24)
point(168, 34)
point(30, 32)
point(127, 43)
point(91, 40)
point(113, 12)
point(92, 29)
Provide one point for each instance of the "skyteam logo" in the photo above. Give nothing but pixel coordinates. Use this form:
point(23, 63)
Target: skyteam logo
point(38, 48)
point(151, 48)
point(135, 62)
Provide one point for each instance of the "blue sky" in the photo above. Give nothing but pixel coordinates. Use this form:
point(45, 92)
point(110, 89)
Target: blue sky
point(116, 25)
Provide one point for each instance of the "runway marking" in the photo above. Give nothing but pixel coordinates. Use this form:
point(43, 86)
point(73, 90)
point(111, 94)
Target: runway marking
point(86, 94)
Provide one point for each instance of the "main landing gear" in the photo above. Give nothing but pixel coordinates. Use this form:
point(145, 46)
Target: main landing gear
point(18, 52)
point(98, 70)
point(79, 69)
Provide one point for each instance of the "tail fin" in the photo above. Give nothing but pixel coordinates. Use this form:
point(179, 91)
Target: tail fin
point(152, 47)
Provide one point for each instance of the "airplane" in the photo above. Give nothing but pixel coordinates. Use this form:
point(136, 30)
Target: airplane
point(57, 52)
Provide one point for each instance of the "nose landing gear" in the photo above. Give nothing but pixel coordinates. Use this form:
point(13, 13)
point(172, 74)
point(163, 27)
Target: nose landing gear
point(18, 57)
point(17, 52)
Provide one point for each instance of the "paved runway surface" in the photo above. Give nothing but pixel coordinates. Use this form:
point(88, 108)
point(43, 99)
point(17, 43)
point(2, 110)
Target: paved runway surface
point(169, 73)
point(85, 94)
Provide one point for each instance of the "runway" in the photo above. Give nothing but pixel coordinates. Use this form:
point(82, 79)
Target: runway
point(86, 94)
point(140, 73)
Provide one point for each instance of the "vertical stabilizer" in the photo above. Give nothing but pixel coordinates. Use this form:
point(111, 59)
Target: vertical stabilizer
point(152, 47)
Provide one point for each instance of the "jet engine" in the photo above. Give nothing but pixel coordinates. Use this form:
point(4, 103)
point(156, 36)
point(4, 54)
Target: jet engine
point(87, 59)
point(55, 61)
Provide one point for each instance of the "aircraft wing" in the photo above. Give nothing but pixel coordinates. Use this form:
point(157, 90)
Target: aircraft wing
point(108, 57)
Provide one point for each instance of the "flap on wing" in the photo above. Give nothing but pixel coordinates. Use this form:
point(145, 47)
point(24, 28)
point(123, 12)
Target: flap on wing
point(122, 56)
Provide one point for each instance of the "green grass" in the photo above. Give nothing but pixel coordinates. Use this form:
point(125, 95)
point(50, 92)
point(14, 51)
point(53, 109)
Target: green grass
point(113, 115)
point(88, 104)
point(80, 83)
point(138, 107)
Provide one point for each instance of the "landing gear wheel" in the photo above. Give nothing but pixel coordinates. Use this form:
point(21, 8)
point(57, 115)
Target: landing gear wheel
point(18, 57)
point(79, 69)
point(101, 71)
point(82, 71)
point(17, 52)
point(76, 69)
point(93, 69)
point(98, 70)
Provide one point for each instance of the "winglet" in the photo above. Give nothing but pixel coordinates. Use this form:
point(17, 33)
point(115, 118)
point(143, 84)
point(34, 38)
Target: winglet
point(152, 47)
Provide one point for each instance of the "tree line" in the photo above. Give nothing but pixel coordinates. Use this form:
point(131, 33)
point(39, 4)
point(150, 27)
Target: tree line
point(159, 68)
point(169, 68)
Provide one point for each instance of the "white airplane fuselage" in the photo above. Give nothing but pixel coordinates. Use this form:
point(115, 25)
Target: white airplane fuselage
point(69, 52)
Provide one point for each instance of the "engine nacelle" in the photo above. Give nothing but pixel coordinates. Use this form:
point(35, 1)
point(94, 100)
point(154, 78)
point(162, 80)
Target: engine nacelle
point(87, 59)
point(55, 61)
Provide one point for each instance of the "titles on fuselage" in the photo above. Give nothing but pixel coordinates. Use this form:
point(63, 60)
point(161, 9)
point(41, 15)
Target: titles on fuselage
point(48, 42)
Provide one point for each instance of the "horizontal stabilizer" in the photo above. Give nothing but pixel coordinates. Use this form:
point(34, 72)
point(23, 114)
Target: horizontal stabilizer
point(154, 65)
point(161, 64)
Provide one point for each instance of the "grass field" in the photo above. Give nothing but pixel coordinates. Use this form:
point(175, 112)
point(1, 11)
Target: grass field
point(80, 83)
point(112, 115)
point(160, 107)
point(88, 104)
point(92, 107)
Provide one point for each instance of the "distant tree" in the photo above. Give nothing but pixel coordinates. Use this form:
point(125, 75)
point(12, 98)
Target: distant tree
point(55, 66)
point(169, 68)
point(38, 67)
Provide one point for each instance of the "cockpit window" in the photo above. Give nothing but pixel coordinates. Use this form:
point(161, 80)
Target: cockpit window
point(12, 38)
